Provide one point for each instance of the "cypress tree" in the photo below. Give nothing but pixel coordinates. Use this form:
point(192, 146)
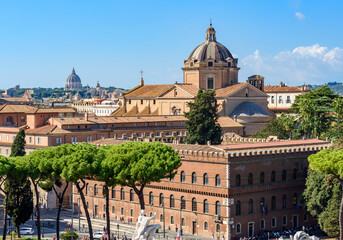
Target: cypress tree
point(18, 146)
point(202, 119)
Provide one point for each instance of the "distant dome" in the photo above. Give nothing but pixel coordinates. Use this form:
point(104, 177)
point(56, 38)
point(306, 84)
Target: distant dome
point(249, 109)
point(73, 82)
point(210, 49)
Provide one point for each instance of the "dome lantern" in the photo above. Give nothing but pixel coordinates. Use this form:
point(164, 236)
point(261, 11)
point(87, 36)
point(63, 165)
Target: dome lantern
point(210, 33)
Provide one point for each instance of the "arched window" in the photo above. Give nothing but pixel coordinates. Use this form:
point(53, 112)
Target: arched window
point(161, 218)
point(87, 188)
point(250, 206)
point(295, 173)
point(217, 180)
point(295, 199)
point(113, 192)
point(238, 180)
point(151, 198)
point(103, 190)
point(218, 228)
point(172, 201)
point(122, 211)
point(183, 202)
point(95, 190)
point(205, 179)
point(261, 177)
point(161, 199)
point(238, 228)
point(122, 194)
point(262, 224)
point(132, 195)
point(273, 203)
point(131, 212)
point(183, 222)
point(217, 208)
point(284, 220)
point(172, 220)
point(104, 208)
point(238, 208)
point(182, 176)
point(113, 209)
point(250, 182)
point(262, 205)
point(206, 226)
point(194, 205)
point(205, 206)
point(272, 177)
point(87, 204)
point(273, 222)
point(284, 175)
point(194, 177)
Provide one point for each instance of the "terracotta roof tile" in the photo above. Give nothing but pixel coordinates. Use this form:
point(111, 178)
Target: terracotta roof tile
point(41, 130)
point(271, 89)
point(190, 88)
point(148, 91)
point(222, 92)
point(18, 109)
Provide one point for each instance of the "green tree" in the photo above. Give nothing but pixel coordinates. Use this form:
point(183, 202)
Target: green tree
point(106, 168)
point(53, 162)
point(330, 161)
point(20, 202)
point(142, 163)
point(338, 108)
point(321, 198)
point(202, 119)
point(274, 127)
point(314, 109)
point(18, 146)
point(11, 171)
point(79, 166)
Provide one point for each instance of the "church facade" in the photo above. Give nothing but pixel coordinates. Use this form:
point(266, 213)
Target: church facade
point(210, 66)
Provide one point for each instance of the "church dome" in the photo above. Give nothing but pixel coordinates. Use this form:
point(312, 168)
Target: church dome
point(73, 82)
point(210, 49)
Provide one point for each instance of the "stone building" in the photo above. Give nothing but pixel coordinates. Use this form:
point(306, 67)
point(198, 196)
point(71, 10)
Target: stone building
point(210, 66)
point(224, 190)
point(73, 82)
point(281, 97)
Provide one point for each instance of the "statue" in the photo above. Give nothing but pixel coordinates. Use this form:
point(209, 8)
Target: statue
point(143, 230)
point(301, 235)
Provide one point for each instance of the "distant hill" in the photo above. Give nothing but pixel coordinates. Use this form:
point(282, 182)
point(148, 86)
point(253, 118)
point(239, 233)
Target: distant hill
point(336, 87)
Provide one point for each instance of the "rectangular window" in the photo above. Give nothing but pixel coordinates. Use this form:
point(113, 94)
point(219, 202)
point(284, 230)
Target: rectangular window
point(0, 138)
point(141, 101)
point(7, 138)
point(280, 99)
point(73, 139)
point(288, 99)
point(59, 140)
point(229, 64)
point(130, 101)
point(210, 64)
point(89, 138)
point(30, 139)
point(210, 83)
point(181, 124)
point(7, 152)
point(273, 99)
point(13, 138)
point(154, 102)
point(38, 140)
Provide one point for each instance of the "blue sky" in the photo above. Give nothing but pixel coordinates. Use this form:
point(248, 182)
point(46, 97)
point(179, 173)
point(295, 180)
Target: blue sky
point(292, 41)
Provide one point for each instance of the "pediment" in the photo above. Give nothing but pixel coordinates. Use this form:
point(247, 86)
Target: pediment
point(176, 92)
point(251, 90)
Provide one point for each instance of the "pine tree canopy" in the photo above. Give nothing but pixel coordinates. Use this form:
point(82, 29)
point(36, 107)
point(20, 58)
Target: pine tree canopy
point(18, 146)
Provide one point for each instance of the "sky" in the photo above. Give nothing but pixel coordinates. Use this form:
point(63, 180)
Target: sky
point(294, 41)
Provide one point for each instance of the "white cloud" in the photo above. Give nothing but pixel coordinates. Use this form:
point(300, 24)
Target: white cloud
point(304, 64)
point(300, 16)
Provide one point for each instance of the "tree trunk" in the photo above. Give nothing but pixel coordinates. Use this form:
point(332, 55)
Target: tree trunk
point(38, 210)
point(5, 219)
point(82, 196)
point(60, 203)
point(18, 231)
point(140, 196)
point(108, 213)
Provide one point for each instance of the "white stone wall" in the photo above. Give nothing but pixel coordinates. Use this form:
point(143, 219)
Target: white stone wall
point(281, 100)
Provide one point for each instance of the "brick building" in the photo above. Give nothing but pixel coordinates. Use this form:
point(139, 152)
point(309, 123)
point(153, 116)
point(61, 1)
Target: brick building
point(223, 190)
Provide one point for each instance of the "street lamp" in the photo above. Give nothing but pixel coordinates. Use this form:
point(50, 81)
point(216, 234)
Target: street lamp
point(118, 230)
point(79, 202)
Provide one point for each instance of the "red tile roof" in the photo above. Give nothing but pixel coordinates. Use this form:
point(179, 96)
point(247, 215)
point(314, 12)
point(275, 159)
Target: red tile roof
point(272, 89)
